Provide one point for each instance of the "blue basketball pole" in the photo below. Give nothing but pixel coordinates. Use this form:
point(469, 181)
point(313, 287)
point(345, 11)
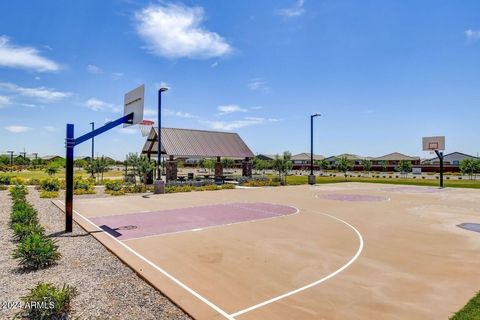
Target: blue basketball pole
point(70, 143)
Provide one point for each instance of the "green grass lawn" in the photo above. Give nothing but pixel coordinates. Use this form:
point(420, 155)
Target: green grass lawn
point(296, 180)
point(40, 174)
point(471, 311)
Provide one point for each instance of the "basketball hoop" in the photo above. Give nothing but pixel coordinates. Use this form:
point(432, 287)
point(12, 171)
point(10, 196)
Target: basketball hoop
point(145, 127)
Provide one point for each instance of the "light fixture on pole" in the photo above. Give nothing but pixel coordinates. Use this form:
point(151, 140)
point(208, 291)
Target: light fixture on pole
point(159, 185)
point(311, 177)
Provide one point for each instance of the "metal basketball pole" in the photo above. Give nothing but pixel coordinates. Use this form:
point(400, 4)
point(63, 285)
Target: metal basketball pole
point(440, 157)
point(70, 143)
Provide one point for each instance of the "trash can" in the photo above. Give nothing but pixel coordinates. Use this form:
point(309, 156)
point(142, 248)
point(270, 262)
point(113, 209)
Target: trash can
point(159, 187)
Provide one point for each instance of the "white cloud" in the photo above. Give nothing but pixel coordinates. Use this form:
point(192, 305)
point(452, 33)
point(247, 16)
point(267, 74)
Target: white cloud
point(129, 130)
point(41, 93)
point(99, 105)
point(231, 108)
point(472, 35)
point(24, 57)
point(150, 112)
point(258, 84)
point(175, 31)
point(29, 105)
point(213, 65)
point(17, 129)
point(184, 114)
point(256, 107)
point(93, 69)
point(50, 128)
point(4, 101)
point(237, 124)
point(117, 75)
point(295, 11)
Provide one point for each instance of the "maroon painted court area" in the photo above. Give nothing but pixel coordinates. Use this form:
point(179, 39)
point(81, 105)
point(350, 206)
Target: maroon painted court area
point(414, 189)
point(136, 225)
point(351, 197)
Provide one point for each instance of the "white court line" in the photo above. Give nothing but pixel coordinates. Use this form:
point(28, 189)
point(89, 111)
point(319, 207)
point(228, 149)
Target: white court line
point(259, 305)
point(181, 284)
point(360, 248)
point(385, 198)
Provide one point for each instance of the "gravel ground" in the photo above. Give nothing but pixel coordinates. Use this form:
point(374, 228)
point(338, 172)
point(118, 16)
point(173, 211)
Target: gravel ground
point(107, 289)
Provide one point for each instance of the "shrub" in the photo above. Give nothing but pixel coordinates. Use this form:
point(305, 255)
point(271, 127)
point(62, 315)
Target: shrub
point(174, 189)
point(48, 194)
point(459, 178)
point(112, 185)
point(22, 212)
point(228, 186)
point(115, 192)
point(3, 187)
point(50, 184)
point(18, 192)
point(36, 251)
point(22, 230)
point(132, 188)
point(34, 182)
point(5, 180)
point(83, 186)
point(17, 181)
point(45, 301)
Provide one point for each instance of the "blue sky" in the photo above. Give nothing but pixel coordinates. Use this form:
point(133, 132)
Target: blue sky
point(382, 73)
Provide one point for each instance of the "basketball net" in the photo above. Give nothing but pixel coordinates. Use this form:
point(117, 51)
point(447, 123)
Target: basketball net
point(145, 127)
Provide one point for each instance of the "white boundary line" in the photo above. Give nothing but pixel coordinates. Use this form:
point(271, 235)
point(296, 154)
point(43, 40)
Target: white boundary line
point(181, 284)
point(259, 305)
point(357, 254)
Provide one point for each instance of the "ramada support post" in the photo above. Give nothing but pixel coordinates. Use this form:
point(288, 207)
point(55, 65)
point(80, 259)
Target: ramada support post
point(247, 167)
point(171, 172)
point(219, 169)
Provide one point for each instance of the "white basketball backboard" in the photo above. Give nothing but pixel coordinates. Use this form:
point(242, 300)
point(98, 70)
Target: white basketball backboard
point(134, 102)
point(433, 143)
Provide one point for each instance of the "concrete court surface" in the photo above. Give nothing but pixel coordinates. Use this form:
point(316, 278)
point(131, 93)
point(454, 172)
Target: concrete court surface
point(352, 251)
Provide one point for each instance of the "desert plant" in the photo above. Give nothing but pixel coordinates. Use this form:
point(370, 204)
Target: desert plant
point(36, 251)
point(18, 192)
point(46, 301)
point(48, 194)
point(50, 184)
point(22, 230)
point(22, 212)
point(52, 169)
point(113, 185)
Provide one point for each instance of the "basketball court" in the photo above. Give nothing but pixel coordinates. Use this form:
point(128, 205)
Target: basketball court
point(338, 251)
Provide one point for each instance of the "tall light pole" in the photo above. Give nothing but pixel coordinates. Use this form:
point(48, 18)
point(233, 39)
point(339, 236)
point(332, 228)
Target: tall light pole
point(159, 153)
point(311, 177)
point(93, 142)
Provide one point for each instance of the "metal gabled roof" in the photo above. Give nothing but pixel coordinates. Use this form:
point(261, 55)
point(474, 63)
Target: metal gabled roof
point(197, 143)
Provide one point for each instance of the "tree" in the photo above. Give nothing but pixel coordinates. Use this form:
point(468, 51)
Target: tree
point(384, 164)
point(228, 163)
point(404, 166)
point(132, 160)
point(260, 165)
point(144, 168)
point(469, 167)
point(80, 163)
point(99, 165)
point(21, 161)
point(367, 166)
point(322, 164)
point(282, 165)
point(343, 165)
point(4, 160)
point(207, 164)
